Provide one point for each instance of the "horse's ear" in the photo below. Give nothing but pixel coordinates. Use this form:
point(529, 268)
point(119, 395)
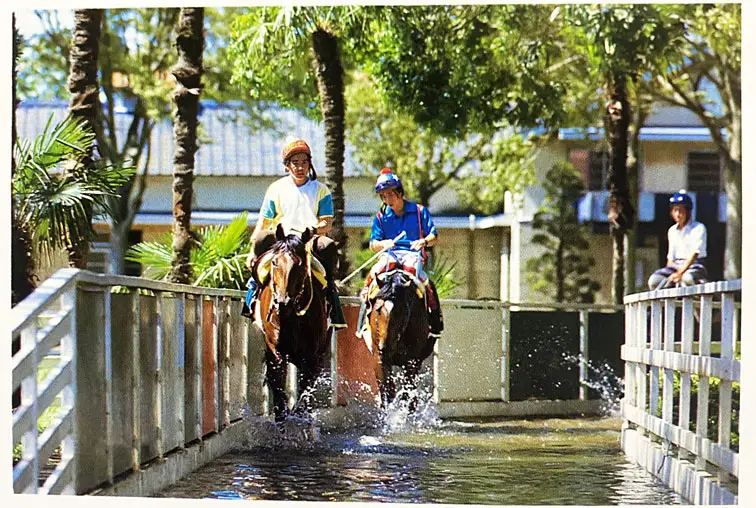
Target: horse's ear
point(307, 235)
point(280, 232)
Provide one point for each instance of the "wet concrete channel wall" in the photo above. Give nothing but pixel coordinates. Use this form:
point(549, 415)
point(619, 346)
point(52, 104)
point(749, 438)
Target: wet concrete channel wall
point(166, 373)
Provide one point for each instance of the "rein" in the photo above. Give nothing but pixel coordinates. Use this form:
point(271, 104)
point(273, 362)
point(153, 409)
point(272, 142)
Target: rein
point(306, 287)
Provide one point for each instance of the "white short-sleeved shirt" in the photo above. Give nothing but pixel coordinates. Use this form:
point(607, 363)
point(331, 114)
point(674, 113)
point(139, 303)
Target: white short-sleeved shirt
point(296, 207)
point(684, 242)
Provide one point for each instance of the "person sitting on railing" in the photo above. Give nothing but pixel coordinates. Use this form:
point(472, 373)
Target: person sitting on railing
point(686, 256)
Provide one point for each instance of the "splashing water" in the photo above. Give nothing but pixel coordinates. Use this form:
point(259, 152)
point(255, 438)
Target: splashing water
point(604, 381)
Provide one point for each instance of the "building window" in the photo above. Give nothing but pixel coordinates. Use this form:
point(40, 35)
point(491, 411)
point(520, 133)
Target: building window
point(704, 172)
point(593, 166)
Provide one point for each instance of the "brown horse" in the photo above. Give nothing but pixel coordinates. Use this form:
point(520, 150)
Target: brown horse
point(292, 314)
point(399, 331)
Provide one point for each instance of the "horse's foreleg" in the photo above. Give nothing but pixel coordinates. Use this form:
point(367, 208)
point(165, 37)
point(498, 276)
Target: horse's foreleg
point(306, 378)
point(388, 386)
point(411, 373)
point(276, 375)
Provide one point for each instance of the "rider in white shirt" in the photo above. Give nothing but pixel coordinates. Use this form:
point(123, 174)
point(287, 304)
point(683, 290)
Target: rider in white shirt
point(298, 201)
point(686, 256)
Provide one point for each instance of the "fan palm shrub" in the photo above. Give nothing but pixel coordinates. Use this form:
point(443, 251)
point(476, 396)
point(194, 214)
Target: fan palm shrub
point(51, 202)
point(217, 256)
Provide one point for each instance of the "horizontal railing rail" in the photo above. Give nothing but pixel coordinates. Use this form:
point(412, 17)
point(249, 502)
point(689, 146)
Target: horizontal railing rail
point(43, 322)
point(661, 330)
point(162, 365)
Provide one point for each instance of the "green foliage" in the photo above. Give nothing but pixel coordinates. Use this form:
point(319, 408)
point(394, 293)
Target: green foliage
point(479, 168)
point(628, 39)
point(50, 193)
point(561, 272)
point(468, 68)
point(270, 48)
point(506, 165)
point(443, 272)
point(217, 259)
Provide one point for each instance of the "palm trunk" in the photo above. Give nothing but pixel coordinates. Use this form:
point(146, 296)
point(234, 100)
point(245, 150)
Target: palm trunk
point(330, 79)
point(733, 234)
point(621, 210)
point(190, 43)
point(119, 242)
point(633, 156)
point(84, 103)
point(22, 263)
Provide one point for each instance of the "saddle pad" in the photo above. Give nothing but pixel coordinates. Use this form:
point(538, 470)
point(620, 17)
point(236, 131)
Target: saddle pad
point(318, 270)
point(263, 267)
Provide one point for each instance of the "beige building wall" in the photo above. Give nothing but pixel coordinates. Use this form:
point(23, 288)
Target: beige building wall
point(665, 164)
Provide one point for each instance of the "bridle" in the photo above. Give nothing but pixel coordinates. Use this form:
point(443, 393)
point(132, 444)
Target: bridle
point(305, 289)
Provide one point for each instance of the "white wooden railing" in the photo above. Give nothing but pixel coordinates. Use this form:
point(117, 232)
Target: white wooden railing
point(165, 367)
point(162, 365)
point(704, 468)
point(45, 323)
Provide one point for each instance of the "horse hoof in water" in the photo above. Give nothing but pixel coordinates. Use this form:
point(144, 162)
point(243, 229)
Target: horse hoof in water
point(298, 430)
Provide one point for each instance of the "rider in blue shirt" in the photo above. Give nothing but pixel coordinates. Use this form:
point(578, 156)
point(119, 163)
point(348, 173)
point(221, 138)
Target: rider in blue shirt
point(396, 216)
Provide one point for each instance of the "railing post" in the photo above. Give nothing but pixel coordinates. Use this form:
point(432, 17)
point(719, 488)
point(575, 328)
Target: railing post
point(669, 374)
point(656, 341)
point(583, 355)
point(108, 381)
point(506, 321)
point(686, 348)
point(68, 396)
point(727, 354)
point(136, 391)
point(704, 351)
point(29, 397)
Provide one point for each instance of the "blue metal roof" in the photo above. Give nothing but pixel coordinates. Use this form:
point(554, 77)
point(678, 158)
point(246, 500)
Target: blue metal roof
point(681, 133)
point(229, 148)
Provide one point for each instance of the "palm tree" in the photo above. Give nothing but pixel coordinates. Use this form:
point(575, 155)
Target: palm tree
point(84, 103)
point(190, 42)
point(620, 44)
point(270, 45)
point(22, 263)
point(55, 205)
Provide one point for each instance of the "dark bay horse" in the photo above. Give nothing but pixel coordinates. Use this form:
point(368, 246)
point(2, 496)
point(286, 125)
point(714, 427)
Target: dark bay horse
point(399, 331)
point(292, 315)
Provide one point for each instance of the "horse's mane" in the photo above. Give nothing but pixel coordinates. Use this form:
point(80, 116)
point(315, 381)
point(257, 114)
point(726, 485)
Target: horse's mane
point(290, 243)
point(389, 289)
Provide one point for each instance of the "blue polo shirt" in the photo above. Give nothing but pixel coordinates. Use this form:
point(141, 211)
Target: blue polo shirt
point(388, 225)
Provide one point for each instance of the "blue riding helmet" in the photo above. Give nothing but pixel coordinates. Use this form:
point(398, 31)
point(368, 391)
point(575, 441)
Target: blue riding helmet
point(388, 180)
point(681, 198)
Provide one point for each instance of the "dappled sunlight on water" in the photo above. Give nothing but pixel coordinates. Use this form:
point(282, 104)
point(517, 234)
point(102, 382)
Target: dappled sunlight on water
point(531, 462)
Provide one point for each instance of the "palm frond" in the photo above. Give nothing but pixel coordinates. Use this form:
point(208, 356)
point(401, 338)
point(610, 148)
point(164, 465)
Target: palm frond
point(155, 257)
point(442, 272)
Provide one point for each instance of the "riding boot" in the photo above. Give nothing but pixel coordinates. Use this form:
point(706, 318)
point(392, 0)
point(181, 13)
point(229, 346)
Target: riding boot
point(435, 318)
point(337, 313)
point(253, 290)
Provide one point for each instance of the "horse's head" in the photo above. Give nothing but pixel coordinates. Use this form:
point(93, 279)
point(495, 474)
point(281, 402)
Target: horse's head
point(288, 272)
point(392, 308)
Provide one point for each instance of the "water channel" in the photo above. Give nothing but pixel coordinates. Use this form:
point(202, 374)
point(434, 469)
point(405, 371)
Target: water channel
point(497, 462)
